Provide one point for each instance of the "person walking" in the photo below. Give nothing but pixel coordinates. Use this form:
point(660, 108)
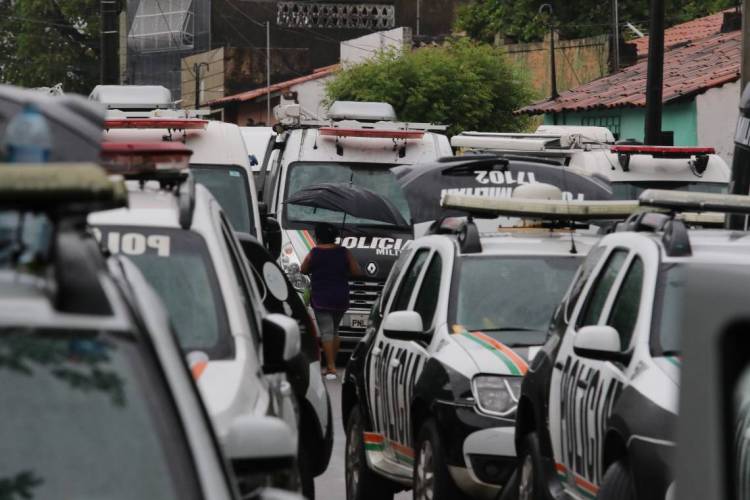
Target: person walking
point(330, 266)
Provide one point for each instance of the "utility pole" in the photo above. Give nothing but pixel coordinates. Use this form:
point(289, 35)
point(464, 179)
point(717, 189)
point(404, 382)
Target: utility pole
point(108, 41)
point(655, 78)
point(616, 37)
point(268, 74)
point(197, 72)
point(419, 16)
point(553, 67)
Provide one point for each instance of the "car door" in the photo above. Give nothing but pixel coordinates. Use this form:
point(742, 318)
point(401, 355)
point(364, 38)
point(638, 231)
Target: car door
point(584, 390)
point(395, 364)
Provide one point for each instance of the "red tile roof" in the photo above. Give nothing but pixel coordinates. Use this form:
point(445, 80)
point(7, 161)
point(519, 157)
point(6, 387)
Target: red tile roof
point(276, 87)
point(688, 70)
point(696, 29)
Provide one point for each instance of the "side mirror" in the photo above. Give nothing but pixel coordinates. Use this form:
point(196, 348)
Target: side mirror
point(404, 325)
point(259, 447)
point(599, 342)
point(272, 236)
point(281, 342)
point(274, 494)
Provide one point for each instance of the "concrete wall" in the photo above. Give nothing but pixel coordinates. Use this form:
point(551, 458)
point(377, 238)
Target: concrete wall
point(718, 111)
point(211, 77)
point(628, 123)
point(365, 47)
point(577, 62)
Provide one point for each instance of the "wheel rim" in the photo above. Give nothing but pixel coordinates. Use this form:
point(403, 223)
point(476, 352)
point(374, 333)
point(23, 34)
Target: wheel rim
point(425, 487)
point(352, 461)
point(526, 484)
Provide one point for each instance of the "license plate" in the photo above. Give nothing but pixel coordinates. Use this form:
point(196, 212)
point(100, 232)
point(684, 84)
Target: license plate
point(358, 321)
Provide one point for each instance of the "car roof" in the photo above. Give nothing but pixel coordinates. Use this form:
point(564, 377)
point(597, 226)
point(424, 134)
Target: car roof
point(531, 241)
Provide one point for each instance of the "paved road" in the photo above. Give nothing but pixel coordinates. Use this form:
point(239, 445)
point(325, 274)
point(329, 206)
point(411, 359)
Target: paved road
point(331, 486)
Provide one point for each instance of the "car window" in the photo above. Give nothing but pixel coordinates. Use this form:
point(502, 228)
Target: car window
point(246, 296)
point(86, 415)
point(229, 185)
point(392, 277)
point(401, 303)
point(427, 298)
point(599, 292)
point(627, 304)
point(584, 273)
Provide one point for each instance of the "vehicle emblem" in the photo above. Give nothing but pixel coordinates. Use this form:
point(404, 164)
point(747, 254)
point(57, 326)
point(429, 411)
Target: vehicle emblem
point(372, 269)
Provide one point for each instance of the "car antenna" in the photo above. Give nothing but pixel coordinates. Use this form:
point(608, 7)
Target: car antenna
point(573, 249)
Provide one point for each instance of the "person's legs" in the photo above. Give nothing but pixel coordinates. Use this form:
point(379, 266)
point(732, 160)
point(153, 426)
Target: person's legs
point(327, 329)
point(336, 339)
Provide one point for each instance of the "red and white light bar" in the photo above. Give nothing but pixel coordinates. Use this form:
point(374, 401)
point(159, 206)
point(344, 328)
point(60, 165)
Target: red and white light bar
point(371, 133)
point(149, 123)
point(134, 158)
point(661, 151)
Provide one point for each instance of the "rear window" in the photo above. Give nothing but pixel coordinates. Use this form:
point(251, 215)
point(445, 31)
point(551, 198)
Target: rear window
point(229, 185)
point(85, 415)
point(177, 265)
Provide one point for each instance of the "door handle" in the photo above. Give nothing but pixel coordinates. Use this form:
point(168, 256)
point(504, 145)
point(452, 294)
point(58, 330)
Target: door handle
point(395, 363)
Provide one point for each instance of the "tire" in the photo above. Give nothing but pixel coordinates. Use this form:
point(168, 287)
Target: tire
point(617, 483)
point(531, 483)
point(361, 482)
point(307, 479)
point(431, 479)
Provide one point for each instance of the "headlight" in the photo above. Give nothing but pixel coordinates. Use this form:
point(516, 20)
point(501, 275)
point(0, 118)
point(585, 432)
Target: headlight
point(496, 395)
point(291, 266)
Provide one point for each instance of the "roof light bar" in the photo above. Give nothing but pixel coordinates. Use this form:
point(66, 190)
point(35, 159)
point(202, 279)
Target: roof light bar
point(372, 133)
point(150, 123)
point(138, 158)
point(543, 209)
point(74, 187)
point(680, 201)
point(661, 151)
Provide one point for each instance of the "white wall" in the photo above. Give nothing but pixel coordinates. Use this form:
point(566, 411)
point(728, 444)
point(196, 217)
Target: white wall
point(311, 95)
point(360, 49)
point(717, 112)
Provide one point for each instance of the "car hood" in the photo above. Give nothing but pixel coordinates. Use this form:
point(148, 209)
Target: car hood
point(492, 356)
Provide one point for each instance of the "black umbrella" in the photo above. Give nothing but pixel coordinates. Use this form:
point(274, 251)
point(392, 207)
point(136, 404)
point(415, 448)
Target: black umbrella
point(490, 176)
point(350, 199)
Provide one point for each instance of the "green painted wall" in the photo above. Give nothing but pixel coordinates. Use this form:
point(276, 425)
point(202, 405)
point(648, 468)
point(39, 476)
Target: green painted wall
point(679, 118)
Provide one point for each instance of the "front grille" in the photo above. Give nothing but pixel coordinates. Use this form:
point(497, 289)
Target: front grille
point(362, 296)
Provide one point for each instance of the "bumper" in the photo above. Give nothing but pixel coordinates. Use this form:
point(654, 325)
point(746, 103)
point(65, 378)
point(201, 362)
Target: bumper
point(481, 451)
point(352, 328)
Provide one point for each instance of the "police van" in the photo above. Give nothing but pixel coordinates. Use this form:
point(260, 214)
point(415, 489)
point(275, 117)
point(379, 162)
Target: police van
point(430, 394)
point(630, 168)
point(598, 407)
point(359, 143)
point(177, 234)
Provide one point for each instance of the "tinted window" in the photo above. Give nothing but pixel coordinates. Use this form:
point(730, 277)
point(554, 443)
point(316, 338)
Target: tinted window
point(598, 294)
point(668, 309)
point(584, 273)
point(85, 416)
point(229, 185)
point(401, 303)
point(627, 304)
point(376, 177)
point(177, 265)
point(392, 277)
point(429, 292)
point(510, 298)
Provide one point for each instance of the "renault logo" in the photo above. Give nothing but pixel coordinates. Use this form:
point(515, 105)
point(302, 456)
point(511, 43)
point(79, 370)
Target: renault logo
point(372, 269)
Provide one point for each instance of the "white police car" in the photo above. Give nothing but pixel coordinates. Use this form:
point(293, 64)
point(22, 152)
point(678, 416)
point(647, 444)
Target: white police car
point(429, 399)
point(176, 233)
point(598, 407)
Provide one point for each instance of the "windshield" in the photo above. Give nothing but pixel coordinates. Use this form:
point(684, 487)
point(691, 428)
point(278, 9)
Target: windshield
point(510, 298)
point(376, 177)
point(229, 185)
point(668, 309)
point(632, 190)
point(178, 266)
point(84, 417)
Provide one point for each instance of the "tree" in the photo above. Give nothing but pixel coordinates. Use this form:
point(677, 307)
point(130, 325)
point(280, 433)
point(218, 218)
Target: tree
point(519, 19)
point(45, 42)
point(466, 85)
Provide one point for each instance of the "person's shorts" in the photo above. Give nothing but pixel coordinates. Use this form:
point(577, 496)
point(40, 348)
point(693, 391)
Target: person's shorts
point(328, 324)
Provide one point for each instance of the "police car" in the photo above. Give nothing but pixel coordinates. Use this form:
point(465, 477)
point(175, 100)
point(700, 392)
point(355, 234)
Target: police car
point(85, 339)
point(177, 234)
point(598, 407)
point(429, 398)
point(359, 143)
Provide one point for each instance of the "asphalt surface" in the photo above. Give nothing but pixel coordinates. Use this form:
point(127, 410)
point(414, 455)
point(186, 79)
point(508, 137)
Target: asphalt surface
point(331, 485)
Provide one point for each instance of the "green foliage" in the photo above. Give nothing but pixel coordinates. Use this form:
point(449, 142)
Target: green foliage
point(519, 19)
point(466, 85)
point(45, 42)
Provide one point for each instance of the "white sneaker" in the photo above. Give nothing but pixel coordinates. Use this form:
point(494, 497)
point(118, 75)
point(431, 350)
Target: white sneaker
point(331, 376)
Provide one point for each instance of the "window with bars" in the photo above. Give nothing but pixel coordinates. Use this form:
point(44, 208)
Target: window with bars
point(335, 15)
point(611, 122)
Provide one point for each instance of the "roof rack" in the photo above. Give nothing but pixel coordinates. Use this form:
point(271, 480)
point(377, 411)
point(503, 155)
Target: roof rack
point(61, 190)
